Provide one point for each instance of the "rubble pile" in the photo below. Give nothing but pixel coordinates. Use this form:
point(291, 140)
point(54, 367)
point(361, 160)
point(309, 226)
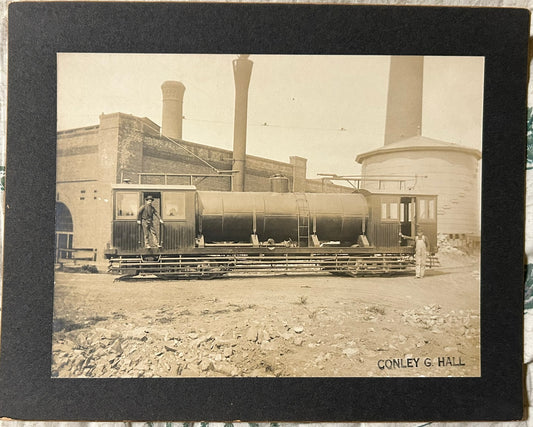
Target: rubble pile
point(461, 323)
point(452, 255)
point(228, 340)
point(445, 245)
point(167, 345)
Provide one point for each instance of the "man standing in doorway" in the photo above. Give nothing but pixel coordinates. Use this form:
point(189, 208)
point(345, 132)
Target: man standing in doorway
point(146, 217)
point(421, 248)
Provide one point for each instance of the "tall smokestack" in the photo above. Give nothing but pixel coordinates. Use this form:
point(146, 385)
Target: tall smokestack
point(172, 121)
point(404, 102)
point(242, 70)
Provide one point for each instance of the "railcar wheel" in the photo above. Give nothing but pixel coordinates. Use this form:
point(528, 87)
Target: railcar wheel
point(207, 271)
point(356, 268)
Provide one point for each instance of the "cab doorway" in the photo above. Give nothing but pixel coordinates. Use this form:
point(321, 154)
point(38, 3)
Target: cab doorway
point(407, 214)
point(157, 205)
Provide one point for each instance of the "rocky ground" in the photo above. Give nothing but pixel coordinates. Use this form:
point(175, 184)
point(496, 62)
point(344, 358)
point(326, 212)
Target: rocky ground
point(274, 326)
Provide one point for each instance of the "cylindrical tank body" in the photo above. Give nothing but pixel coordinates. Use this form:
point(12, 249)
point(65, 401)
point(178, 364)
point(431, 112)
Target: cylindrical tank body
point(279, 184)
point(234, 217)
point(447, 170)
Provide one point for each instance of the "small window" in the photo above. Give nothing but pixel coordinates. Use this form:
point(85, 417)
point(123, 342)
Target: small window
point(384, 211)
point(390, 211)
point(427, 209)
point(127, 205)
point(393, 211)
point(422, 214)
point(173, 206)
point(431, 209)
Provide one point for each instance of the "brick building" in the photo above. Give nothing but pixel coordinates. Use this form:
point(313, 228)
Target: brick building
point(125, 148)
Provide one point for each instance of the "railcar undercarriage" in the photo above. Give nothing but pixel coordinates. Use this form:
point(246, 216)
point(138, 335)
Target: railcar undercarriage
point(233, 263)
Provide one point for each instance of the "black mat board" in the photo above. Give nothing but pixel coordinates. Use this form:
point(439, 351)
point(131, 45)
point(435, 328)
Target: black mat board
point(38, 31)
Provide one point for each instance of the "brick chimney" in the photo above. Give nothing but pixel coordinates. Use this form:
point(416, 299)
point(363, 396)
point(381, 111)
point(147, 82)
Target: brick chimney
point(242, 70)
point(172, 121)
point(404, 102)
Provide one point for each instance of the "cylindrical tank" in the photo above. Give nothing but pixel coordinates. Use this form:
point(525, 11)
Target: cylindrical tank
point(447, 170)
point(234, 217)
point(279, 184)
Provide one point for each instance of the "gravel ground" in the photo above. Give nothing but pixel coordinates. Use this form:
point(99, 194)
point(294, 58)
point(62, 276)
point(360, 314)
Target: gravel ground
point(270, 326)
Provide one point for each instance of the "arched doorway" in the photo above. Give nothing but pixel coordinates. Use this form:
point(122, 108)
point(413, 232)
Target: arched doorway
point(64, 232)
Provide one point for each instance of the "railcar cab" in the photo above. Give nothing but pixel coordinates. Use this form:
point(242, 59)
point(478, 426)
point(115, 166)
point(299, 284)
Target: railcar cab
point(392, 214)
point(175, 205)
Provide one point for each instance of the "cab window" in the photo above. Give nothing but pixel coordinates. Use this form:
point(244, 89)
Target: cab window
point(432, 212)
point(390, 210)
point(406, 209)
point(127, 205)
point(422, 211)
point(173, 206)
point(427, 209)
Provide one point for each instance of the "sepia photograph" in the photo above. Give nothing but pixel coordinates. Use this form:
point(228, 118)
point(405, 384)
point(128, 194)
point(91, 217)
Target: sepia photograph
point(282, 213)
point(267, 216)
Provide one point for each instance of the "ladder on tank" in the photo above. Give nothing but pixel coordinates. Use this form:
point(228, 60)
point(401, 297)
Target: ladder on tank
point(303, 221)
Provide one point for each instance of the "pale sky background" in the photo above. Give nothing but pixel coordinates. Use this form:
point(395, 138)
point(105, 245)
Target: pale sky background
point(327, 109)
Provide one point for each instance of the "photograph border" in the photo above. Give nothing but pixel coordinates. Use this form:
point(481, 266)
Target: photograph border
point(38, 31)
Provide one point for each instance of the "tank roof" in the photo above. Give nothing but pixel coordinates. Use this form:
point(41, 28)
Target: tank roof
point(419, 143)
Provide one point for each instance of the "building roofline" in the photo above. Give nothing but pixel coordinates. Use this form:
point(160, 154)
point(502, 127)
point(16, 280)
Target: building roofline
point(156, 128)
point(226, 151)
point(418, 144)
point(72, 130)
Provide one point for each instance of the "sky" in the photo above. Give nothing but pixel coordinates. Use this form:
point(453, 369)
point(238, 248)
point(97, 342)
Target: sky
point(327, 109)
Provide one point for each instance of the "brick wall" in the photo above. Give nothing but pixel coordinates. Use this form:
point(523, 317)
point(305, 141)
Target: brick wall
point(122, 146)
point(89, 204)
point(77, 153)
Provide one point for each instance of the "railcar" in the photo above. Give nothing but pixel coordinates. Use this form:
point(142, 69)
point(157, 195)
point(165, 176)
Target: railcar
point(209, 234)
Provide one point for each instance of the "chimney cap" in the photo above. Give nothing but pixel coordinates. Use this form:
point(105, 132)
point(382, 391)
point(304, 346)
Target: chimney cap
point(172, 83)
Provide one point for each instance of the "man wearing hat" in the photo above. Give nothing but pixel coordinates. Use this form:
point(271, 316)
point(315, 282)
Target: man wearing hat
point(421, 248)
point(145, 217)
